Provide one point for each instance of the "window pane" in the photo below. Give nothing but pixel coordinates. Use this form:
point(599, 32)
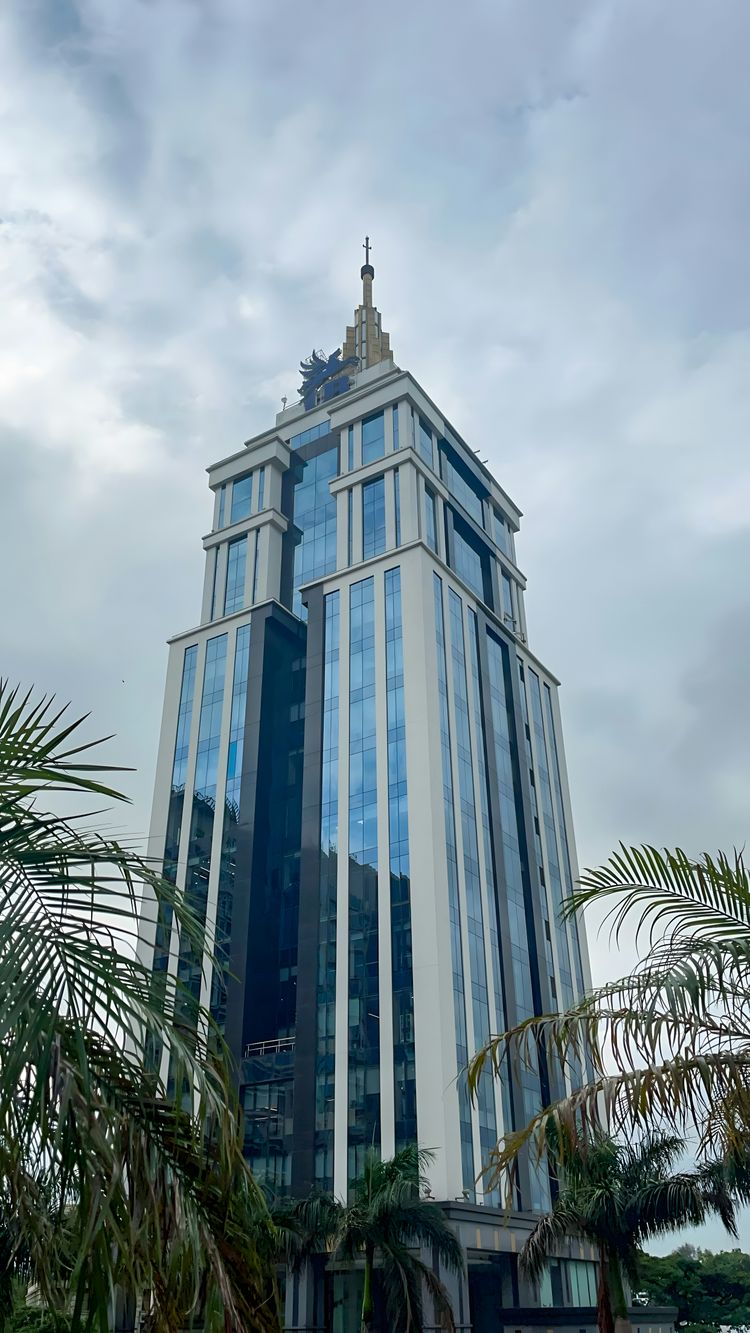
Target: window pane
point(315, 517)
point(467, 494)
point(468, 564)
point(429, 518)
point(502, 534)
point(242, 496)
point(373, 437)
point(425, 441)
point(235, 590)
point(373, 517)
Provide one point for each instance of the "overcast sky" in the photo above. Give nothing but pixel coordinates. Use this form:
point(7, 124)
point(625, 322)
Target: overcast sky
point(558, 195)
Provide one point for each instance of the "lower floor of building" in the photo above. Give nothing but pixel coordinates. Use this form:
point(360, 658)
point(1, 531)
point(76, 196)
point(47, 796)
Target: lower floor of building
point(490, 1296)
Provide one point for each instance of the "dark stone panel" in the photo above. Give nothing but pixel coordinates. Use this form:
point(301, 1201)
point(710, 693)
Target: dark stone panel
point(261, 1003)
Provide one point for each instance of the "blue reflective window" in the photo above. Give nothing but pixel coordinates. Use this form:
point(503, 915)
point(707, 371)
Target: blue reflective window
point(560, 814)
point(398, 851)
point(242, 498)
point(189, 967)
point(234, 597)
point(312, 433)
point(261, 488)
point(468, 564)
point(230, 822)
point(467, 493)
point(176, 801)
point(488, 1129)
point(397, 504)
point(517, 885)
point(454, 902)
point(373, 518)
point(502, 533)
point(364, 1003)
point(430, 522)
point(222, 505)
point(489, 867)
point(329, 841)
point(395, 427)
point(315, 517)
point(350, 448)
point(373, 437)
point(425, 441)
point(542, 783)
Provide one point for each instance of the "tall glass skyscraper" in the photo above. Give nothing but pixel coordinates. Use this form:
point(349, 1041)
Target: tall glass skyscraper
point(361, 788)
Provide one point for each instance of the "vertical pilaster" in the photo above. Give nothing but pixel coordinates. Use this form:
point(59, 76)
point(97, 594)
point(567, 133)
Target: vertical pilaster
point(390, 511)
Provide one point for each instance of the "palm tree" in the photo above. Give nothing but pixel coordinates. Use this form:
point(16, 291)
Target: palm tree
point(387, 1220)
point(668, 1044)
point(111, 1184)
point(617, 1196)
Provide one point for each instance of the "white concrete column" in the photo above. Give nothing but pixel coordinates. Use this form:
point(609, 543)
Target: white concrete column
point(208, 584)
point(440, 527)
point(272, 496)
point(252, 539)
point(409, 486)
point(390, 511)
point(342, 529)
point(388, 429)
point(220, 583)
point(162, 793)
point(434, 1025)
point(269, 572)
point(356, 524)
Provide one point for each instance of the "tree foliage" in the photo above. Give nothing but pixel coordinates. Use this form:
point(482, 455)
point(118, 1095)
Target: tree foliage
point(386, 1223)
point(109, 1182)
point(710, 1290)
point(666, 1045)
point(617, 1196)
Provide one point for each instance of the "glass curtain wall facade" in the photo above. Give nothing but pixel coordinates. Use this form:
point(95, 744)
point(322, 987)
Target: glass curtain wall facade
point(404, 1072)
point(329, 850)
point(364, 992)
point(365, 795)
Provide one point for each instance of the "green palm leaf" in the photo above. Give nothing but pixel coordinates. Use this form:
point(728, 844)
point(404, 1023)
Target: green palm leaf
point(675, 1032)
point(114, 1182)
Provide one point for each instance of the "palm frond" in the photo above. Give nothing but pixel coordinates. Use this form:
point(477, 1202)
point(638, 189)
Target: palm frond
point(112, 1178)
point(33, 753)
point(674, 893)
point(555, 1226)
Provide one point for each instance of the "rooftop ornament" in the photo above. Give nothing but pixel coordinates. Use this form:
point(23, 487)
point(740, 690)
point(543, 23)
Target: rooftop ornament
point(326, 372)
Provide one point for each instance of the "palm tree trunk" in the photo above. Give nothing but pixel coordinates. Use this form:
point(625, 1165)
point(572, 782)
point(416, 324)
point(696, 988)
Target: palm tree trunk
point(368, 1306)
point(619, 1303)
point(604, 1316)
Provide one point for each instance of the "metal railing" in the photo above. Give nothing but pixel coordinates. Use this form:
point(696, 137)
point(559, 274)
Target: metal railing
point(274, 1047)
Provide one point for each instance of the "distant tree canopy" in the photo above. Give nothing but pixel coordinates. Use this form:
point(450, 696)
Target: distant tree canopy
point(710, 1290)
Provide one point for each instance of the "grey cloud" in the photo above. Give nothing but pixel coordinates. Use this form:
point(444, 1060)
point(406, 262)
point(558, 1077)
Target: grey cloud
point(558, 198)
